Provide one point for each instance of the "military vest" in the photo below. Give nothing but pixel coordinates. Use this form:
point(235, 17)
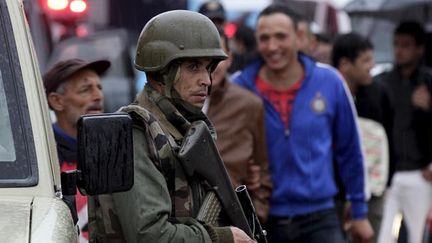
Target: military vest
point(163, 141)
point(162, 146)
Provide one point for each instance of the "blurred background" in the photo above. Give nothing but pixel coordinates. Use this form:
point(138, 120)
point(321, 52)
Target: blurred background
point(92, 29)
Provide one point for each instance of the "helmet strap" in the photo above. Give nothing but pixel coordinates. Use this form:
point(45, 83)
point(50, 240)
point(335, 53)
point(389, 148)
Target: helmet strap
point(210, 69)
point(170, 76)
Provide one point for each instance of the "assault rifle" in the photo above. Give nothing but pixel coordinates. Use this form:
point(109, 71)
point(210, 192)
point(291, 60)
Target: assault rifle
point(200, 156)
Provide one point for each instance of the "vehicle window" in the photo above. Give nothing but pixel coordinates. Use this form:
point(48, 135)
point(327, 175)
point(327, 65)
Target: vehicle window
point(18, 166)
point(7, 149)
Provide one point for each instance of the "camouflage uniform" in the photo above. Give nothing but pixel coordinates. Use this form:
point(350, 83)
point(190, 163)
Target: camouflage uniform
point(162, 203)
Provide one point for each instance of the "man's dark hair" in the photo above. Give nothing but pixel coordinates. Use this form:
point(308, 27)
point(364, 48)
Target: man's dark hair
point(224, 38)
point(214, 10)
point(282, 8)
point(413, 29)
point(324, 38)
point(246, 35)
point(349, 46)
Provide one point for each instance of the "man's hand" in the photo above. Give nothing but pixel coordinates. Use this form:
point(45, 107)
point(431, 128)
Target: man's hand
point(361, 231)
point(240, 236)
point(253, 180)
point(347, 222)
point(421, 97)
point(427, 174)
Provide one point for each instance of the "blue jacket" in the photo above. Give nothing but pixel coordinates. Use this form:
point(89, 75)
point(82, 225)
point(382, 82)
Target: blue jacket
point(322, 128)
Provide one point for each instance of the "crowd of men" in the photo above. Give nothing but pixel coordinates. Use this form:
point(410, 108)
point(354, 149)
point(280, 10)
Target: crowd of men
point(328, 152)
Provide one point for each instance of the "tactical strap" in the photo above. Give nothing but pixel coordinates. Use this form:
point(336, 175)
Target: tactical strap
point(161, 152)
point(171, 119)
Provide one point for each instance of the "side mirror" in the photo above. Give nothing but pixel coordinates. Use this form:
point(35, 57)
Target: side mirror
point(105, 153)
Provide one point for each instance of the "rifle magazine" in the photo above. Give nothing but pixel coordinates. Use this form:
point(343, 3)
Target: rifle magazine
point(210, 209)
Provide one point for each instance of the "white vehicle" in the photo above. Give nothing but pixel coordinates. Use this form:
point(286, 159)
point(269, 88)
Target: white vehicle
point(31, 206)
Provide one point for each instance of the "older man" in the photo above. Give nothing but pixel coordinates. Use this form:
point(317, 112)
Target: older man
point(73, 88)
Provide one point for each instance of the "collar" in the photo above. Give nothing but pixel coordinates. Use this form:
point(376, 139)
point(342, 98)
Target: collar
point(176, 115)
point(415, 77)
point(59, 131)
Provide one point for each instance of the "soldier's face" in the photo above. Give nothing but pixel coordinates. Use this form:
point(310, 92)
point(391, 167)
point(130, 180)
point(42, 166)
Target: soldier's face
point(194, 81)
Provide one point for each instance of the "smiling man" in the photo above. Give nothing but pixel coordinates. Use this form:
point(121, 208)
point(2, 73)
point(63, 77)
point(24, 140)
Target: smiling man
point(73, 89)
point(352, 55)
point(310, 121)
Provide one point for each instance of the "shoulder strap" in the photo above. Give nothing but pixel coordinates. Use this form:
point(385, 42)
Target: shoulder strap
point(159, 145)
point(161, 151)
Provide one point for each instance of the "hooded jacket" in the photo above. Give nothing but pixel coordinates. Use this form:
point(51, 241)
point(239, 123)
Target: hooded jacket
point(322, 128)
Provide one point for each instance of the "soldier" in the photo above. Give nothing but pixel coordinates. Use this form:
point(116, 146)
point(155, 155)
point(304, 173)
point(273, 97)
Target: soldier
point(178, 50)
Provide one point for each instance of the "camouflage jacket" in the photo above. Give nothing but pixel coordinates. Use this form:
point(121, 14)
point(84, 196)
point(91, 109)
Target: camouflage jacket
point(162, 202)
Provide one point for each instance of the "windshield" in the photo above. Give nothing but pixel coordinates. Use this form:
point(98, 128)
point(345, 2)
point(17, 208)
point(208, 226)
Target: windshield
point(18, 167)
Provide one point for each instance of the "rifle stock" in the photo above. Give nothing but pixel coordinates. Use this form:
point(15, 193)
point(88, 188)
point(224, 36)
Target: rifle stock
point(200, 156)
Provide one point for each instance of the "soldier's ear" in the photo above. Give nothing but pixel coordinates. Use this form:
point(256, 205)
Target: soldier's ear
point(158, 86)
point(56, 101)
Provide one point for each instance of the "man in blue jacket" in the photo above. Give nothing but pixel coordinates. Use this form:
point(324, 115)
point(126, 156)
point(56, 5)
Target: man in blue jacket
point(310, 120)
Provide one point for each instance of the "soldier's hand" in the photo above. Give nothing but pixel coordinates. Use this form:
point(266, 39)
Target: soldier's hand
point(240, 236)
point(361, 231)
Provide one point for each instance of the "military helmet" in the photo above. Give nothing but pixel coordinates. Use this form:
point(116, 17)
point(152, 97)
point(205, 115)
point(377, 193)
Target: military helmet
point(175, 35)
